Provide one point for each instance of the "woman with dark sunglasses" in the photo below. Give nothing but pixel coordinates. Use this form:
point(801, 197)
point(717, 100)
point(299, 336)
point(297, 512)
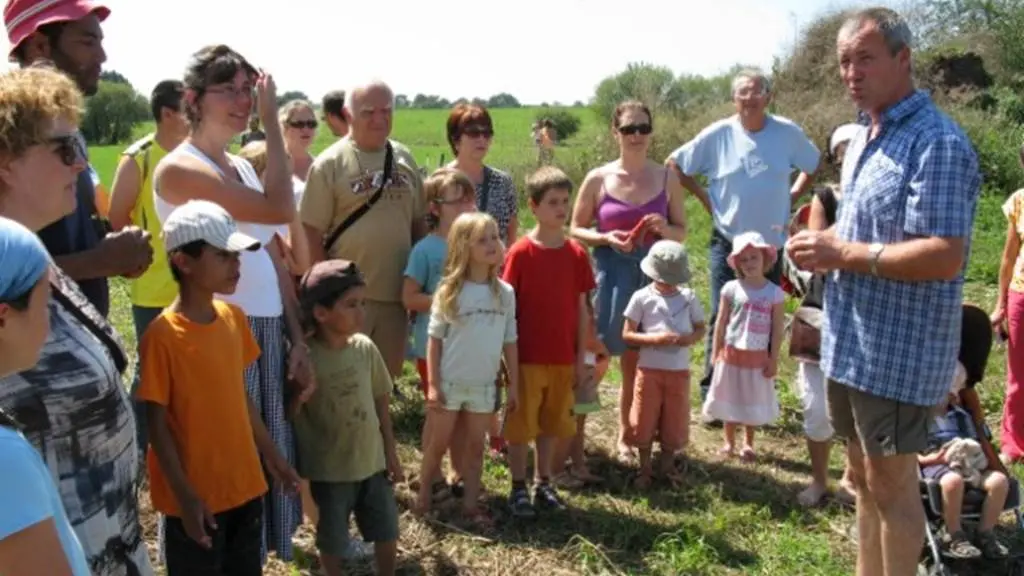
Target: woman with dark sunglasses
point(612, 201)
point(298, 126)
point(71, 405)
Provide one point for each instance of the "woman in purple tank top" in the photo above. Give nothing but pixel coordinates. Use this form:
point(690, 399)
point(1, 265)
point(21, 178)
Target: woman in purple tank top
point(612, 200)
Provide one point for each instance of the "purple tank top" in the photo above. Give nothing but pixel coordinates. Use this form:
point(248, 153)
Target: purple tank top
point(614, 214)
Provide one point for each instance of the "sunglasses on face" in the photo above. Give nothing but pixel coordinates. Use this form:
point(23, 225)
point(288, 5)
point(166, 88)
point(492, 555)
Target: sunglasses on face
point(64, 148)
point(630, 129)
point(476, 132)
point(298, 124)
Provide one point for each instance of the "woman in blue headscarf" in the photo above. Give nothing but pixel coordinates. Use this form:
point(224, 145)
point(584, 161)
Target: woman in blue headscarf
point(35, 535)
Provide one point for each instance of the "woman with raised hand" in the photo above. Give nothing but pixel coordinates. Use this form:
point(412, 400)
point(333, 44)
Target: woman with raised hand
point(220, 89)
point(71, 404)
point(627, 194)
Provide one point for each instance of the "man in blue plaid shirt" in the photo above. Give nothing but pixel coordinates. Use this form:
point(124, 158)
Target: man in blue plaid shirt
point(896, 258)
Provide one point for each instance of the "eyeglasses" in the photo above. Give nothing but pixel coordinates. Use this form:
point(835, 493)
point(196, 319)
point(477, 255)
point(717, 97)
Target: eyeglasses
point(299, 124)
point(65, 149)
point(233, 92)
point(478, 131)
point(630, 129)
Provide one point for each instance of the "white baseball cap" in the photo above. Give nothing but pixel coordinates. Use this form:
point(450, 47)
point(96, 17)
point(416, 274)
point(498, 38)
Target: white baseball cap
point(206, 221)
point(843, 134)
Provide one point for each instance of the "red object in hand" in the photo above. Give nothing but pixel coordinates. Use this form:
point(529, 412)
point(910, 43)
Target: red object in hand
point(639, 232)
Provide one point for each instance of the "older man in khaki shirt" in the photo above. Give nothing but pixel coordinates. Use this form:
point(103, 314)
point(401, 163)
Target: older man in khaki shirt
point(345, 177)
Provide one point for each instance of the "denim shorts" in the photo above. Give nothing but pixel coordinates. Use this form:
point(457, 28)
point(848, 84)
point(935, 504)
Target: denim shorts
point(618, 277)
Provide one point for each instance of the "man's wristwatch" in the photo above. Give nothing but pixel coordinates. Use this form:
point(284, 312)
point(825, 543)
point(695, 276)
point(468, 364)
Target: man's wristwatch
point(874, 253)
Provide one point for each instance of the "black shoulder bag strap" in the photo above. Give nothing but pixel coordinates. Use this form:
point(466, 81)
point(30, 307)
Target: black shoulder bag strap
point(485, 191)
point(362, 210)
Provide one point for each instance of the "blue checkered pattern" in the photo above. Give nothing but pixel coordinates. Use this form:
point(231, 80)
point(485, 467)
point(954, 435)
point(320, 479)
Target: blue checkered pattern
point(918, 177)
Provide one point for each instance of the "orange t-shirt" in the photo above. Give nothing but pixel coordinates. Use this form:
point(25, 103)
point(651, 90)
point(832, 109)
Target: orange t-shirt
point(196, 371)
point(548, 284)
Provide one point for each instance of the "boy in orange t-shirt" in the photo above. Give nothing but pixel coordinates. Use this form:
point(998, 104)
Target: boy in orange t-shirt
point(204, 468)
point(551, 275)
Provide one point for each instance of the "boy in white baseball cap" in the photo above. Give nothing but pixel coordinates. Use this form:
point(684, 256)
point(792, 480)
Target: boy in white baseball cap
point(205, 433)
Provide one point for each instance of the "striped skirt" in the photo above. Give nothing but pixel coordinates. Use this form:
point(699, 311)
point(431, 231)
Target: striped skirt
point(265, 382)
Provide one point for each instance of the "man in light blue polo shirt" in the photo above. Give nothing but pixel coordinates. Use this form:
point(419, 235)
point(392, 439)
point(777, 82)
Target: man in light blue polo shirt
point(748, 159)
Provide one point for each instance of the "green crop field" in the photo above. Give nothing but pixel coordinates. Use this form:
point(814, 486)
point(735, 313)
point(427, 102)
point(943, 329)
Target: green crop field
point(727, 518)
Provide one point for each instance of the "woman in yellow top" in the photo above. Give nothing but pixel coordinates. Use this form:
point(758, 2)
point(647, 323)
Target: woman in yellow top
point(131, 204)
point(1008, 320)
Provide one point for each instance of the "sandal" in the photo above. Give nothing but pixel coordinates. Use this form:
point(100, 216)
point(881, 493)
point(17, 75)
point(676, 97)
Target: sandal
point(748, 455)
point(727, 451)
point(440, 492)
point(480, 519)
point(587, 477)
point(642, 481)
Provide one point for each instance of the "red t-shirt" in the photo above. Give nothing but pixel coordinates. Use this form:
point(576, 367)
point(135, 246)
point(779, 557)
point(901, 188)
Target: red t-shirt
point(548, 283)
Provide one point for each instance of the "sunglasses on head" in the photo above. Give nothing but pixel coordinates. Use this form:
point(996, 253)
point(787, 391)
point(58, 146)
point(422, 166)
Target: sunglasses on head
point(65, 149)
point(311, 124)
point(630, 129)
point(477, 131)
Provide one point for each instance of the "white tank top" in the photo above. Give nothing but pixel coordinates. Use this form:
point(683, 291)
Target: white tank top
point(258, 293)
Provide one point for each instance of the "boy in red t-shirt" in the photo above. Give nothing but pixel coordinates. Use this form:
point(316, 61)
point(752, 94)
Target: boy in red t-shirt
point(551, 276)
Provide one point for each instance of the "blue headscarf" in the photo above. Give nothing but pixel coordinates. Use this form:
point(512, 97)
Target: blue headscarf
point(23, 260)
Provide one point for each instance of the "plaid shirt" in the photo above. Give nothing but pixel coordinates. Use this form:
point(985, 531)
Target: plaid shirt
point(919, 177)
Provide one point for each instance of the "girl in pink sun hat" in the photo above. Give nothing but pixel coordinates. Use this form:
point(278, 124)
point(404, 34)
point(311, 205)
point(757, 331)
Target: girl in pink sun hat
point(747, 340)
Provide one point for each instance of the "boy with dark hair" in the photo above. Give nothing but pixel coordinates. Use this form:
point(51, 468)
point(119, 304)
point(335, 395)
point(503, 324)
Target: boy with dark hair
point(345, 439)
point(551, 275)
point(204, 467)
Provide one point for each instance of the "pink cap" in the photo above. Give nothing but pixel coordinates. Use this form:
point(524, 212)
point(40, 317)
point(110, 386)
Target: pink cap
point(24, 17)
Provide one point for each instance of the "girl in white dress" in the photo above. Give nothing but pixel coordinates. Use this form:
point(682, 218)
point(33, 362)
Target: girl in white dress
point(746, 345)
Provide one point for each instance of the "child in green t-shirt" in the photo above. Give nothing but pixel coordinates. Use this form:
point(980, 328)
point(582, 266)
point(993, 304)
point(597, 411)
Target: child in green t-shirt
point(345, 441)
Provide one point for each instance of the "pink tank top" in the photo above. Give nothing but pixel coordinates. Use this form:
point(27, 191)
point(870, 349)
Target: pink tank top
point(614, 214)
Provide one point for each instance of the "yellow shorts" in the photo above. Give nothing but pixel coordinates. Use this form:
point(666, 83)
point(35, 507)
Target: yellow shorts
point(386, 323)
point(545, 404)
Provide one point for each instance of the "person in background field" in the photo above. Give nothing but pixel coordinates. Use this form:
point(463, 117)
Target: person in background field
point(207, 435)
point(131, 204)
point(551, 276)
point(368, 164)
point(895, 263)
point(220, 89)
point(346, 441)
point(627, 194)
point(254, 134)
point(663, 319)
point(90, 449)
point(35, 534)
point(332, 108)
point(67, 34)
point(1008, 320)
point(749, 159)
point(746, 345)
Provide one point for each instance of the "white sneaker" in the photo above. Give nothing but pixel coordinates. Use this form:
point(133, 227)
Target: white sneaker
point(358, 549)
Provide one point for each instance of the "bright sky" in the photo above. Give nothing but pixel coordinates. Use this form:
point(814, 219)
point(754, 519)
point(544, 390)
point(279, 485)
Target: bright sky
point(454, 48)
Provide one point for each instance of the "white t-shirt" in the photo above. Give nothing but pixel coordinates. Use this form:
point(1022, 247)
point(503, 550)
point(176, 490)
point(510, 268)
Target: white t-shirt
point(298, 188)
point(472, 344)
point(750, 314)
point(655, 312)
point(257, 293)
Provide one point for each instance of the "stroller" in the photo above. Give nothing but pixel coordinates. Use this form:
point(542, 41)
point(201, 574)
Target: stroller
point(976, 344)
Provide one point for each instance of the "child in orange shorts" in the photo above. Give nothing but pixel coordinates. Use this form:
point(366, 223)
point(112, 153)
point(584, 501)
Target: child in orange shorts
point(663, 319)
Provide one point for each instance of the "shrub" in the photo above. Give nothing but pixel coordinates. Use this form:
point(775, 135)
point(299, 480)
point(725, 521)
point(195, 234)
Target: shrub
point(566, 123)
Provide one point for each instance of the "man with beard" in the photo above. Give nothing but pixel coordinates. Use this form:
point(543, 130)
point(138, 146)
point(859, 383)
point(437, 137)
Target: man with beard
point(66, 34)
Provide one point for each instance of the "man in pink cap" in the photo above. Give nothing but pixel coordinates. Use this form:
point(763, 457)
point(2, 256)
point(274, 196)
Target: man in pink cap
point(67, 34)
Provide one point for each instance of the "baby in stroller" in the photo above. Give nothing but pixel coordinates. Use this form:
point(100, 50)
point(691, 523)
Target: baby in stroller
point(952, 425)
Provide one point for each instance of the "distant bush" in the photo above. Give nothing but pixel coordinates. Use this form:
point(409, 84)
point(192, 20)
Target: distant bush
point(566, 123)
point(112, 113)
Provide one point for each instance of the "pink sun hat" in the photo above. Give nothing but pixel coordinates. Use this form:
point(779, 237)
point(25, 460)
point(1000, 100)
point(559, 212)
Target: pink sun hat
point(24, 17)
point(752, 240)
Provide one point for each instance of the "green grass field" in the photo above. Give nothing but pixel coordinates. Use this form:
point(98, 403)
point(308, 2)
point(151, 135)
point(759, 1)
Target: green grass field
point(728, 519)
